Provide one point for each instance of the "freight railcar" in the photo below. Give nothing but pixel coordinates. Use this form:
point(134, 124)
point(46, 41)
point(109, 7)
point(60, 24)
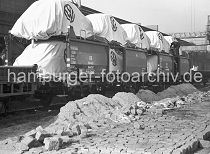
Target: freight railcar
point(95, 56)
point(200, 62)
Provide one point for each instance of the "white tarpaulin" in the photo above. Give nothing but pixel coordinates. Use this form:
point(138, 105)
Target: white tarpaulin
point(106, 26)
point(136, 35)
point(166, 45)
point(158, 41)
point(46, 18)
point(49, 56)
point(169, 39)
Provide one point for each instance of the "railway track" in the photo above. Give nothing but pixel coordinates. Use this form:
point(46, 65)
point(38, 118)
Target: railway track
point(31, 109)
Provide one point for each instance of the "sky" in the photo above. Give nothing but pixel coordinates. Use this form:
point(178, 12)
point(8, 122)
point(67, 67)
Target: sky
point(171, 16)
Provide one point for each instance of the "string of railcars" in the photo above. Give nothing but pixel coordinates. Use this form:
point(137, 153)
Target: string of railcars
point(91, 54)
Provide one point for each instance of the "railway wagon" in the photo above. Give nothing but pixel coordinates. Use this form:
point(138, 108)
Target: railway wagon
point(184, 65)
point(200, 61)
point(15, 84)
point(92, 59)
point(135, 60)
point(135, 63)
point(166, 63)
point(91, 56)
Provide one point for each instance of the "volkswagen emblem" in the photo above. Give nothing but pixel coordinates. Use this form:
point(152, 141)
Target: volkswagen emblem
point(160, 36)
point(141, 33)
point(69, 13)
point(113, 58)
point(114, 24)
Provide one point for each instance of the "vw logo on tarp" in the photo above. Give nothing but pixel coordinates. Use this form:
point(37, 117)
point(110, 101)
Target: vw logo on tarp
point(114, 24)
point(69, 13)
point(141, 33)
point(113, 58)
point(160, 36)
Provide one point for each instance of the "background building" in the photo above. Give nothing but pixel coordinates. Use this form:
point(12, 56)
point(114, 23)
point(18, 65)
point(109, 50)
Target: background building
point(200, 52)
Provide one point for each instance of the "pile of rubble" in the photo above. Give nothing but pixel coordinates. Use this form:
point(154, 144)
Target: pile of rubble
point(131, 105)
point(177, 102)
point(172, 91)
point(79, 119)
point(172, 98)
point(97, 111)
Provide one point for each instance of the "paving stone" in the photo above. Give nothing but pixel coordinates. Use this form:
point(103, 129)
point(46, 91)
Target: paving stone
point(204, 144)
point(116, 151)
point(177, 151)
point(105, 151)
point(36, 150)
point(76, 129)
point(83, 151)
point(66, 133)
point(67, 140)
point(52, 143)
point(31, 133)
point(168, 151)
point(84, 132)
point(31, 142)
point(41, 135)
point(138, 126)
point(21, 147)
point(39, 128)
point(160, 150)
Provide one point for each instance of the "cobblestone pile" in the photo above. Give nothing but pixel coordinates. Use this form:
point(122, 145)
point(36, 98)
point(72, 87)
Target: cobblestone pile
point(130, 104)
point(123, 124)
point(92, 111)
